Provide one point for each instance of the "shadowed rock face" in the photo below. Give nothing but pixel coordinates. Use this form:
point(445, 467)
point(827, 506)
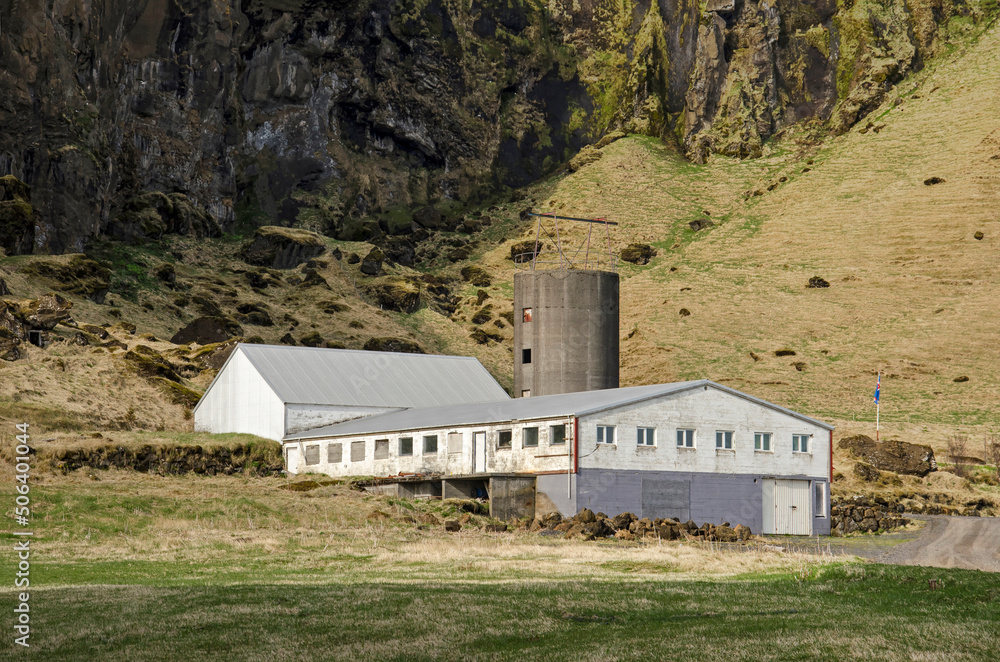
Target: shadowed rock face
point(331, 115)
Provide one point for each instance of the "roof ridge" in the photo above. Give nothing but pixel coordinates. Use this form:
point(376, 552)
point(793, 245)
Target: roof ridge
point(354, 351)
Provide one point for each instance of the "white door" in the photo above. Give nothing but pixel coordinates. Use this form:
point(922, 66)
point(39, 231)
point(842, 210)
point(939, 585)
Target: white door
point(787, 507)
point(291, 459)
point(478, 452)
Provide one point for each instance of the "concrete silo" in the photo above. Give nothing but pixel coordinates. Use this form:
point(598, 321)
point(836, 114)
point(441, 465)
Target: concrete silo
point(565, 322)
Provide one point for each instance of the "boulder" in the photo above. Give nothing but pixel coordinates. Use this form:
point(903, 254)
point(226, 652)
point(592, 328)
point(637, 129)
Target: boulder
point(700, 224)
point(9, 346)
point(147, 362)
point(896, 456)
point(622, 521)
point(396, 294)
point(817, 282)
point(452, 525)
point(742, 532)
point(427, 217)
point(866, 472)
point(393, 345)
point(585, 516)
point(726, 534)
point(524, 251)
point(282, 248)
point(153, 214)
point(496, 528)
point(638, 253)
point(476, 275)
point(484, 336)
point(43, 313)
point(371, 265)
point(483, 315)
point(207, 330)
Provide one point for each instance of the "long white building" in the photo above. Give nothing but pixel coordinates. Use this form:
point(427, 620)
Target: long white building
point(690, 450)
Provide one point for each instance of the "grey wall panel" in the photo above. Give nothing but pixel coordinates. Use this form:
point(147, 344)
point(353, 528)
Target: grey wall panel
point(714, 498)
point(666, 497)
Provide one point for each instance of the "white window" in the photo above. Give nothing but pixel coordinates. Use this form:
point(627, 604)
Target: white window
point(430, 444)
point(406, 446)
point(762, 441)
point(504, 438)
point(529, 437)
point(819, 499)
point(454, 442)
point(800, 443)
point(557, 434)
point(605, 434)
point(646, 436)
point(685, 439)
point(723, 439)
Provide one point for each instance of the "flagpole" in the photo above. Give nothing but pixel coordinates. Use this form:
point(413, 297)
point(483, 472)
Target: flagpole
point(878, 404)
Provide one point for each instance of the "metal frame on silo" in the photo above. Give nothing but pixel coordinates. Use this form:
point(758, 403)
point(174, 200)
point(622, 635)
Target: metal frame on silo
point(573, 330)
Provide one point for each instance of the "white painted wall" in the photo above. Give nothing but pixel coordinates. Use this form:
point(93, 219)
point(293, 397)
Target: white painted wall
point(241, 401)
point(705, 411)
point(299, 418)
point(544, 457)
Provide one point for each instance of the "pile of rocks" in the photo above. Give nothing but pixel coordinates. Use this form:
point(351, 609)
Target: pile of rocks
point(588, 525)
point(865, 514)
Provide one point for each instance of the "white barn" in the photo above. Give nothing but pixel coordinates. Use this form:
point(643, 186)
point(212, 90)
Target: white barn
point(275, 390)
point(691, 450)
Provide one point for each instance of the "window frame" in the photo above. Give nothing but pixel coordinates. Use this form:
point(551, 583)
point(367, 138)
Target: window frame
point(799, 440)
point(721, 446)
point(426, 446)
point(602, 435)
point(758, 442)
point(689, 434)
point(552, 429)
point(364, 447)
point(306, 451)
point(819, 499)
point(524, 439)
point(329, 447)
point(400, 447)
point(510, 439)
point(525, 356)
point(527, 314)
point(650, 436)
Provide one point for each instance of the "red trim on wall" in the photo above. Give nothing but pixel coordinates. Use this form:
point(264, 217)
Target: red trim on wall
point(576, 444)
point(831, 460)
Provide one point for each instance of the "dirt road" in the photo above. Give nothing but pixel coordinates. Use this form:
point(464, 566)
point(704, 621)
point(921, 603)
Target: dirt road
point(951, 542)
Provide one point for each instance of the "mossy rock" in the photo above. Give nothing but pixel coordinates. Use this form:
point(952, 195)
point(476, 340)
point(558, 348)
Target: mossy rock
point(148, 363)
point(524, 251)
point(282, 248)
point(178, 393)
point(17, 216)
point(372, 264)
point(484, 336)
point(207, 330)
point(483, 315)
point(153, 214)
point(313, 339)
point(584, 157)
point(311, 278)
point(9, 346)
point(398, 294)
point(638, 253)
point(43, 313)
point(477, 276)
point(80, 275)
point(393, 345)
point(397, 221)
point(610, 138)
point(355, 229)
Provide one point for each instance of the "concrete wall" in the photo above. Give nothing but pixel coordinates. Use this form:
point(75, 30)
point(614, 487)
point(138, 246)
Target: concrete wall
point(299, 418)
point(241, 401)
point(515, 459)
point(573, 333)
point(702, 497)
point(553, 492)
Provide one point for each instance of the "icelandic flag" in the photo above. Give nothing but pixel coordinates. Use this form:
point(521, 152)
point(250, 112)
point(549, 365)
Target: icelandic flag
point(878, 385)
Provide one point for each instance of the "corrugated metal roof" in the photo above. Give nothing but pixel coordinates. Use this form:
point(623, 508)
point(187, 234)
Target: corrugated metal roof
point(521, 409)
point(312, 375)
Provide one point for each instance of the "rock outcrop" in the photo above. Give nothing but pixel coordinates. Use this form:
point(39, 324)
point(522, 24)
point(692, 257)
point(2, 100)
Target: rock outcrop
point(897, 456)
point(282, 248)
point(135, 119)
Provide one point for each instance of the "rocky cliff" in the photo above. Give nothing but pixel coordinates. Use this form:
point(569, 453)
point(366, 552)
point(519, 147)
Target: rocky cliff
point(135, 119)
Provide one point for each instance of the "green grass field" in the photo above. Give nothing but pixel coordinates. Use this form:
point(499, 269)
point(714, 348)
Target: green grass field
point(139, 567)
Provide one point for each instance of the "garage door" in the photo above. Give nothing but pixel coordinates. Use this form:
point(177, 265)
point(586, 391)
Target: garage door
point(787, 507)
